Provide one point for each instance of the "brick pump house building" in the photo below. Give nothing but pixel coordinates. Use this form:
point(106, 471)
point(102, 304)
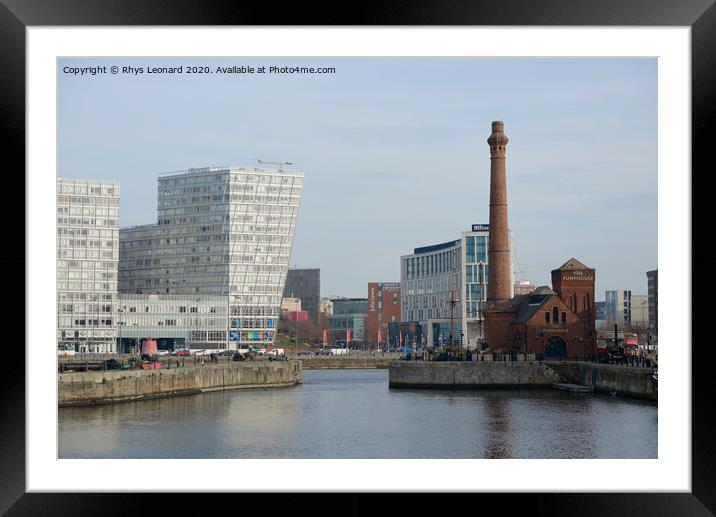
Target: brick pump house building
point(558, 322)
point(554, 323)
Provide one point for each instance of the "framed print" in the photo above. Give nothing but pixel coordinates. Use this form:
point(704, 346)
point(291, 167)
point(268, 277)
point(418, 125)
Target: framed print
point(389, 138)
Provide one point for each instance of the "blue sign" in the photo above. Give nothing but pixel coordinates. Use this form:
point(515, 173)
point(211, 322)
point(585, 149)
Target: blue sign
point(269, 323)
point(256, 335)
point(233, 335)
point(238, 323)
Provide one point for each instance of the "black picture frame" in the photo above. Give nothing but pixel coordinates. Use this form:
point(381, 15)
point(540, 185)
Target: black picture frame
point(700, 15)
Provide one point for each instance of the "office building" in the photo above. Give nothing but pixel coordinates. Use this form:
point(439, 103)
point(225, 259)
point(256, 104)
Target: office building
point(448, 282)
point(348, 321)
point(305, 284)
point(618, 307)
point(87, 254)
point(220, 231)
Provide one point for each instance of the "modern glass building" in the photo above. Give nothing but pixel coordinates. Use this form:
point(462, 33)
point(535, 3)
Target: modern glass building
point(348, 314)
point(87, 254)
point(434, 275)
point(220, 231)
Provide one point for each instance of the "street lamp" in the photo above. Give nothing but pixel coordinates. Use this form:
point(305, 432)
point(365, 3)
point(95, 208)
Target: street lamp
point(119, 325)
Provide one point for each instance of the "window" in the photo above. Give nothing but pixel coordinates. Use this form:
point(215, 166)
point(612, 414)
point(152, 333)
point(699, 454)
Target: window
point(555, 315)
point(564, 317)
point(546, 316)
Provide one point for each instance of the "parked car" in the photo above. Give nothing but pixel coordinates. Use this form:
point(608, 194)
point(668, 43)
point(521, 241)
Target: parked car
point(183, 352)
point(304, 353)
point(163, 352)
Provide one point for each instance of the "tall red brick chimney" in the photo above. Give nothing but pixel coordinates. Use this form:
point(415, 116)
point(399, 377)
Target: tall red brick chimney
point(498, 252)
point(498, 314)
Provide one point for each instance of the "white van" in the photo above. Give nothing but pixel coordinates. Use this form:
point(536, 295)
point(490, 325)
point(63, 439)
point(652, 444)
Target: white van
point(277, 352)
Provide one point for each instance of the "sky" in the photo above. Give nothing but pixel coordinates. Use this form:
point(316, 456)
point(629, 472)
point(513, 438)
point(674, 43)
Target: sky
point(394, 153)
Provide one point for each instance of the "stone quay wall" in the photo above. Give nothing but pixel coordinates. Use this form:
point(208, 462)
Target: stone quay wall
point(90, 388)
point(621, 380)
point(471, 375)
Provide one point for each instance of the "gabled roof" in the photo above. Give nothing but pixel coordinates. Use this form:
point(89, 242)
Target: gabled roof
point(573, 263)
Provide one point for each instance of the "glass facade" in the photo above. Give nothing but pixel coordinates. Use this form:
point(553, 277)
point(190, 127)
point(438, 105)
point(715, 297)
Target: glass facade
point(428, 278)
point(221, 231)
point(348, 313)
point(432, 272)
point(87, 254)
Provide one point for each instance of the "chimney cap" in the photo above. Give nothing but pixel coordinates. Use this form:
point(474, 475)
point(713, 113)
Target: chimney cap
point(498, 126)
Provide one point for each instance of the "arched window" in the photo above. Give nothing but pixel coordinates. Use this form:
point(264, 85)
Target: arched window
point(546, 316)
point(555, 315)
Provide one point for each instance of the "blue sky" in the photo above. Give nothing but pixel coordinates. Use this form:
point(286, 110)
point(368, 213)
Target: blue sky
point(394, 152)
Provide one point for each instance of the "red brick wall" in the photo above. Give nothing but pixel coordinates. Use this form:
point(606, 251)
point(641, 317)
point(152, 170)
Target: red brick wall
point(387, 310)
point(539, 331)
point(577, 294)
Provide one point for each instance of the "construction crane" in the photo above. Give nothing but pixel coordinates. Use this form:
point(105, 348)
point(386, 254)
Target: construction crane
point(279, 165)
point(516, 263)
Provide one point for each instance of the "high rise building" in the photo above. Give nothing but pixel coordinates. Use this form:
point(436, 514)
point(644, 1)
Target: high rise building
point(306, 285)
point(87, 254)
point(653, 286)
point(220, 231)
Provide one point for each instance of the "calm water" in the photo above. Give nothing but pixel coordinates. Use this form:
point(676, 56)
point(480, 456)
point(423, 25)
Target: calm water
point(353, 414)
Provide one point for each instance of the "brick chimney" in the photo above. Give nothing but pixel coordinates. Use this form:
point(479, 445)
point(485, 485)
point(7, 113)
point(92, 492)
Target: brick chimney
point(498, 253)
point(498, 314)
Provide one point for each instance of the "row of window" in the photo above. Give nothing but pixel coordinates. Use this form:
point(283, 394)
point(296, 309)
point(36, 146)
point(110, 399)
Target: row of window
point(555, 316)
point(85, 200)
point(428, 265)
point(71, 221)
point(475, 249)
point(85, 253)
point(86, 286)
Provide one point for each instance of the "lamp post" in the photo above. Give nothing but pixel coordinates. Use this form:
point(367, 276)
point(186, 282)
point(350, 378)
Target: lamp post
point(119, 325)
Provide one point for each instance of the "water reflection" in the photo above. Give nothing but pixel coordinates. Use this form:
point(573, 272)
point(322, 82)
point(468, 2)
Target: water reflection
point(498, 419)
point(353, 414)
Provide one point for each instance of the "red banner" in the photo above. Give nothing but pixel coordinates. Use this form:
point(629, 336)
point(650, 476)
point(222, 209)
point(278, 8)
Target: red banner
point(401, 337)
point(325, 336)
point(380, 336)
point(348, 336)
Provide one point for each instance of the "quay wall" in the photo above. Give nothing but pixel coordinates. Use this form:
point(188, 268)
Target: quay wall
point(470, 375)
point(627, 381)
point(90, 388)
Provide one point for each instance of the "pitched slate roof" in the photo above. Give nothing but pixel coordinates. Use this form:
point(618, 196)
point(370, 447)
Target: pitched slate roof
point(532, 303)
point(573, 263)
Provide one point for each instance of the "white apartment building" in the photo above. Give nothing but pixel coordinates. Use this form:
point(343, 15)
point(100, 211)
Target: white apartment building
point(87, 254)
point(220, 232)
